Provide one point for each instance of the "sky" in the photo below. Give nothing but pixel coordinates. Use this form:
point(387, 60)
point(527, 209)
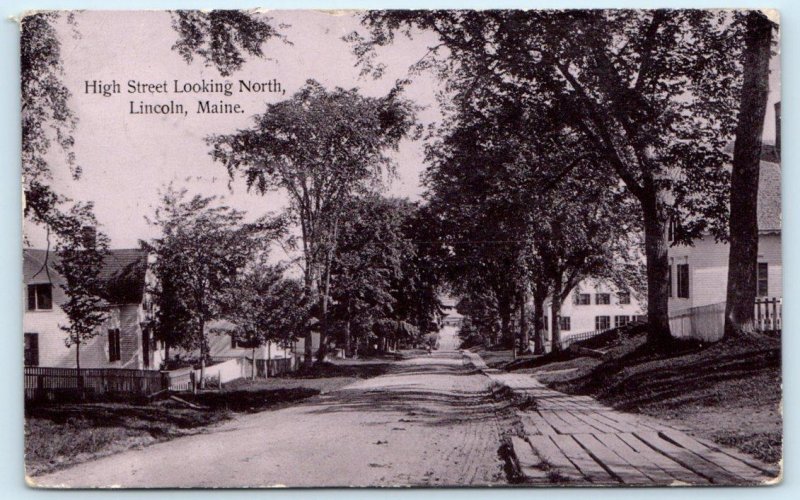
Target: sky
point(127, 159)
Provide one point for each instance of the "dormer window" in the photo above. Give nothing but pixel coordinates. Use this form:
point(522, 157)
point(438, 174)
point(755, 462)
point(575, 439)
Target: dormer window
point(40, 297)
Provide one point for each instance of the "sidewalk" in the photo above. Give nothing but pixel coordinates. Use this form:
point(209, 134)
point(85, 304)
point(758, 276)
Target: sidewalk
point(575, 440)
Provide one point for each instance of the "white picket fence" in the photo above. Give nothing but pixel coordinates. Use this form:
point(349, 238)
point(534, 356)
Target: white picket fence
point(707, 322)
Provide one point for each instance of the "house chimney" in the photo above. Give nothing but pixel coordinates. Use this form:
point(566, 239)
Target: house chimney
point(778, 130)
point(89, 236)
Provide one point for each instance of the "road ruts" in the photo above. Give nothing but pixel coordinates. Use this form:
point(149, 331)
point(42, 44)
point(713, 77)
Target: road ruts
point(430, 421)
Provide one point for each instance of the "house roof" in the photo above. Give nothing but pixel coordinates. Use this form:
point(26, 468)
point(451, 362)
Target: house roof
point(769, 197)
point(123, 271)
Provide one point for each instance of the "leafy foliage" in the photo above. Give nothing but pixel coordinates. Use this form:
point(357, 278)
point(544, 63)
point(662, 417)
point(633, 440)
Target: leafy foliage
point(221, 38)
point(80, 263)
point(265, 307)
point(201, 252)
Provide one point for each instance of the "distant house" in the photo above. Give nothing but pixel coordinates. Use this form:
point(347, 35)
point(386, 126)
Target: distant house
point(223, 344)
point(451, 317)
point(124, 341)
point(699, 273)
point(594, 305)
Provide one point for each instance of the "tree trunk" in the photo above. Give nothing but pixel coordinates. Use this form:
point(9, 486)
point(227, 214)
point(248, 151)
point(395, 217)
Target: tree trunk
point(308, 348)
point(78, 369)
point(555, 315)
point(166, 355)
point(253, 366)
point(743, 257)
point(269, 357)
point(538, 322)
point(323, 323)
point(524, 339)
point(347, 340)
point(202, 355)
point(655, 243)
point(505, 321)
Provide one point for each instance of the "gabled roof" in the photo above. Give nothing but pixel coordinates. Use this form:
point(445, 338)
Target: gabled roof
point(123, 271)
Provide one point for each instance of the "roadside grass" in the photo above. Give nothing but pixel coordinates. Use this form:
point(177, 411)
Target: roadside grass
point(62, 435)
point(728, 392)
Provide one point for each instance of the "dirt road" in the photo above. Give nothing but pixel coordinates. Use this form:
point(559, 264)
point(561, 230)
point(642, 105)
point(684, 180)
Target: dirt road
point(430, 421)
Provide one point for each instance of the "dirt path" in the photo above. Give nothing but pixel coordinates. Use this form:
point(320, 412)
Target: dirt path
point(430, 421)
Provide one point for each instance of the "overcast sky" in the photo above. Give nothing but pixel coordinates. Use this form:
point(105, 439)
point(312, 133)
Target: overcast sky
point(127, 159)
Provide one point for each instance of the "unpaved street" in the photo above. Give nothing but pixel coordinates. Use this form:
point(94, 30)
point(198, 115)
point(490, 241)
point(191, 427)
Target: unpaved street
point(430, 421)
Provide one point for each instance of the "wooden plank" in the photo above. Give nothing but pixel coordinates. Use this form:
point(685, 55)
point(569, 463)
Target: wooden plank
point(587, 465)
point(529, 463)
point(640, 462)
point(621, 427)
point(576, 425)
point(541, 424)
point(559, 424)
point(596, 424)
point(689, 459)
point(616, 465)
point(726, 462)
point(671, 467)
point(770, 470)
point(547, 450)
point(529, 426)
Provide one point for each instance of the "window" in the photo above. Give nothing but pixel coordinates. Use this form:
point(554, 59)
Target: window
point(762, 279)
point(602, 322)
point(31, 349)
point(547, 328)
point(564, 323)
point(683, 280)
point(40, 297)
point(669, 281)
point(671, 227)
point(113, 344)
point(624, 297)
point(583, 299)
point(603, 298)
point(621, 321)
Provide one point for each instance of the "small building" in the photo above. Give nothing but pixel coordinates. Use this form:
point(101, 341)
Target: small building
point(124, 341)
point(594, 305)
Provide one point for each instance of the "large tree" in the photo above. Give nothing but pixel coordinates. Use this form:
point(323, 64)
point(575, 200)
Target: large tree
point(652, 93)
point(81, 252)
point(202, 249)
point(320, 147)
point(743, 257)
point(264, 307)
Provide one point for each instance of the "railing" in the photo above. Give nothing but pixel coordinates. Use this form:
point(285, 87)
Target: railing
point(57, 384)
point(769, 314)
point(571, 339)
point(707, 322)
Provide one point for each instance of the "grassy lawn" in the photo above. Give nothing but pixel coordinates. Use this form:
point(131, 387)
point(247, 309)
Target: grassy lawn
point(729, 392)
point(58, 436)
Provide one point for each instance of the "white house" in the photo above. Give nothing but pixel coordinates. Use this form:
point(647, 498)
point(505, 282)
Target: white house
point(699, 273)
point(594, 305)
point(124, 341)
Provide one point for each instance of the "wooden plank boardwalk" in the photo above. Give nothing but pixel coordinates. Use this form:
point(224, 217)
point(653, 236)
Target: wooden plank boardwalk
point(575, 440)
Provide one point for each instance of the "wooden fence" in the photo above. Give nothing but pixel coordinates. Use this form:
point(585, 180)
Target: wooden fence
point(707, 322)
point(274, 367)
point(59, 384)
point(567, 340)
